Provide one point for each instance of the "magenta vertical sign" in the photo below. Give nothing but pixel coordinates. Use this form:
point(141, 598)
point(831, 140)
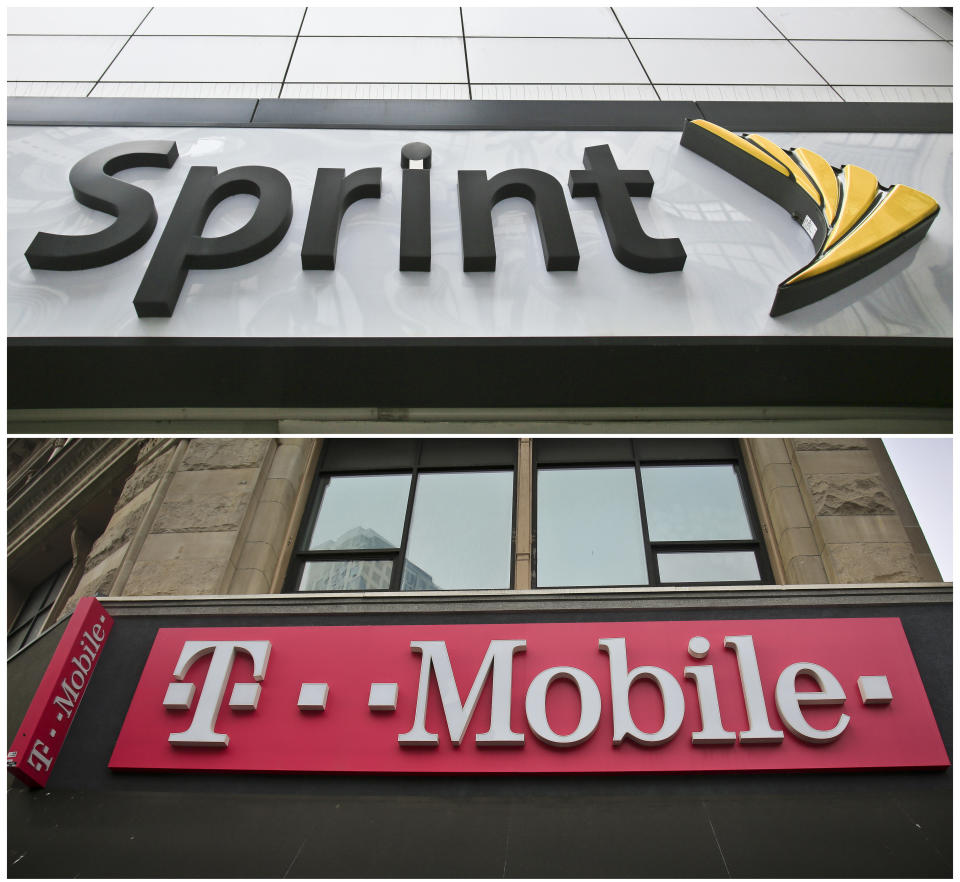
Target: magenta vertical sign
point(41, 735)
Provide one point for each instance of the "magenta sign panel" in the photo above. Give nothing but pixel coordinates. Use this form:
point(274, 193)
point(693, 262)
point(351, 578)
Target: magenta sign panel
point(40, 737)
point(582, 697)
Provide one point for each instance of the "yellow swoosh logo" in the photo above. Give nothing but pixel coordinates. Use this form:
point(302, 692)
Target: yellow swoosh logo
point(856, 224)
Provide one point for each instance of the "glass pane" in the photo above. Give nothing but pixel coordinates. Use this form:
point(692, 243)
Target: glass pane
point(461, 531)
point(56, 583)
point(15, 640)
point(34, 601)
point(708, 566)
point(346, 575)
point(693, 502)
point(37, 625)
point(588, 528)
point(361, 512)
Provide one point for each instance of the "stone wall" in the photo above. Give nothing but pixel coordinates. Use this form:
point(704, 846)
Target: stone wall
point(923, 558)
point(791, 540)
point(264, 551)
point(201, 517)
point(191, 545)
point(837, 513)
point(219, 516)
point(111, 549)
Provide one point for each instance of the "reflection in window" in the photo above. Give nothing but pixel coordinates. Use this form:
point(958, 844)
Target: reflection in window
point(588, 528)
point(693, 503)
point(708, 566)
point(361, 512)
point(460, 533)
point(438, 514)
point(29, 622)
point(667, 522)
point(422, 529)
point(346, 575)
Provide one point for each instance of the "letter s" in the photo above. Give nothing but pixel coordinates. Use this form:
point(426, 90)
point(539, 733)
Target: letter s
point(93, 186)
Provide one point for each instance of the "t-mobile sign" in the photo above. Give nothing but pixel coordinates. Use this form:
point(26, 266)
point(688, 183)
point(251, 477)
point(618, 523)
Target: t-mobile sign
point(44, 728)
point(533, 697)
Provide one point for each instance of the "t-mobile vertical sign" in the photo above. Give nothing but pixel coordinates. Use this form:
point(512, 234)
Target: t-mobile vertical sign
point(41, 735)
point(533, 697)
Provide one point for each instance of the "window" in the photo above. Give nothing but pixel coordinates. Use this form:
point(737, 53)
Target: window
point(61, 495)
point(29, 622)
point(417, 515)
point(446, 514)
point(644, 512)
point(589, 529)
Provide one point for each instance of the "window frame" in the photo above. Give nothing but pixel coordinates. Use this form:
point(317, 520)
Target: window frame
point(639, 460)
point(397, 555)
point(52, 586)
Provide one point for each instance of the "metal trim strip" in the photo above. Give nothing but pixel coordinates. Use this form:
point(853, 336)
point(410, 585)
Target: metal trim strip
point(443, 372)
point(769, 116)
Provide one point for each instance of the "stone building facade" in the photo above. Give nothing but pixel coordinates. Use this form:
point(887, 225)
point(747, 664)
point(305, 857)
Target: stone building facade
point(207, 533)
point(198, 516)
point(837, 512)
point(210, 516)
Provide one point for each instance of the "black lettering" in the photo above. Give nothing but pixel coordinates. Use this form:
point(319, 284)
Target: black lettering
point(415, 207)
point(182, 246)
point(543, 191)
point(333, 194)
point(613, 188)
point(93, 186)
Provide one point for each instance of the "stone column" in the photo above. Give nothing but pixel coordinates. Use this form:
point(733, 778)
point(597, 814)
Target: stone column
point(115, 547)
point(929, 571)
point(523, 562)
point(193, 543)
point(837, 512)
point(851, 491)
point(791, 540)
point(263, 550)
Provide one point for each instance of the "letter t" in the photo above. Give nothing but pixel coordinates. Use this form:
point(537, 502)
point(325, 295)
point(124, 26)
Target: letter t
point(200, 733)
point(613, 188)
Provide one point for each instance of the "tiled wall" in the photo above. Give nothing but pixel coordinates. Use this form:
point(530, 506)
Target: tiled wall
point(743, 53)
